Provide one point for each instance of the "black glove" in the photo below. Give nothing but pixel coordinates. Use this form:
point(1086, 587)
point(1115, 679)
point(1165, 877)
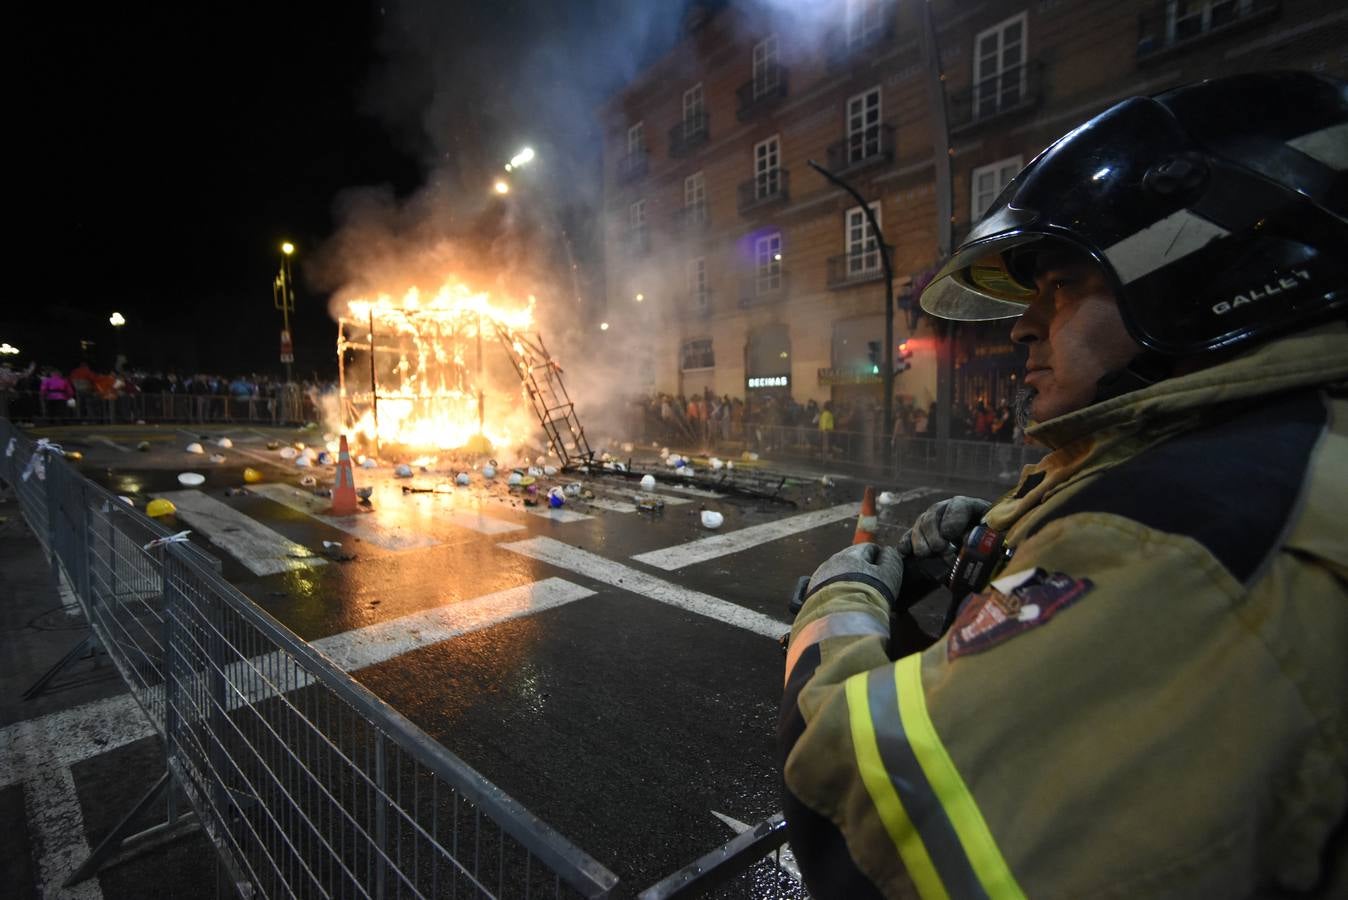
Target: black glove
point(879, 567)
point(941, 529)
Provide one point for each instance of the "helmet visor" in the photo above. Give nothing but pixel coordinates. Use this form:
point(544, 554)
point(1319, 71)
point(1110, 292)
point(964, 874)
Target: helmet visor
point(980, 283)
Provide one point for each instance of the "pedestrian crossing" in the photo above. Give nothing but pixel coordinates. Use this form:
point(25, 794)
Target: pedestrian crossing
point(260, 549)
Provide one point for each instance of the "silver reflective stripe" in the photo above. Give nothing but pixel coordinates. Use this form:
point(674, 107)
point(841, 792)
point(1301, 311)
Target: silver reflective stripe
point(1161, 243)
point(843, 624)
point(1328, 146)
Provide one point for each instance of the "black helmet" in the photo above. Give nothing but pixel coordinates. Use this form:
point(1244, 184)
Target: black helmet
point(1218, 210)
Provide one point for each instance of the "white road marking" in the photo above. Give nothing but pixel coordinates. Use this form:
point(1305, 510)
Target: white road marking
point(681, 555)
point(618, 575)
point(612, 505)
point(385, 640)
point(785, 859)
point(53, 809)
point(38, 753)
point(362, 526)
point(100, 439)
point(557, 515)
point(261, 550)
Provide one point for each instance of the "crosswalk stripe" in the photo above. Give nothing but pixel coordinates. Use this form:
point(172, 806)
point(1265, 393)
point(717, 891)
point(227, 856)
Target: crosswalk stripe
point(591, 565)
point(558, 515)
point(72, 735)
point(389, 537)
point(261, 550)
point(681, 555)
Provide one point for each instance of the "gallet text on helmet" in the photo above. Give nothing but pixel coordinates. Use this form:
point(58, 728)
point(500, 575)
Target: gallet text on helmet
point(1270, 287)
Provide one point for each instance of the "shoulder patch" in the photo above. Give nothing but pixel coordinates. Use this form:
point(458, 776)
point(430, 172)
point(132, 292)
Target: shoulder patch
point(1012, 605)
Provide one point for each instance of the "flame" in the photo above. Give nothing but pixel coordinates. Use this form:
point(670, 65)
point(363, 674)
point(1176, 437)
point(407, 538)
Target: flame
point(426, 369)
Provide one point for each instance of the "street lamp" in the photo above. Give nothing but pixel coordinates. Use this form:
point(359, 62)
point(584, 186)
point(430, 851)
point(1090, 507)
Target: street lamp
point(117, 320)
point(886, 263)
point(501, 186)
point(7, 350)
point(283, 298)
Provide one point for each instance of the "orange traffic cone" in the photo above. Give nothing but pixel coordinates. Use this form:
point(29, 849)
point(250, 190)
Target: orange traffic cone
point(867, 521)
point(344, 502)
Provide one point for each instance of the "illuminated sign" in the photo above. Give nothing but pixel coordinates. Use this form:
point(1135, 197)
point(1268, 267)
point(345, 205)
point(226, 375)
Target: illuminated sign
point(770, 381)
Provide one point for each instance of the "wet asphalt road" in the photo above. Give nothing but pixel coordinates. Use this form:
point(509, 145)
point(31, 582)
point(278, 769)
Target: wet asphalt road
point(620, 720)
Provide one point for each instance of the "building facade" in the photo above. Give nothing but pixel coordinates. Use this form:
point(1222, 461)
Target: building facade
point(733, 266)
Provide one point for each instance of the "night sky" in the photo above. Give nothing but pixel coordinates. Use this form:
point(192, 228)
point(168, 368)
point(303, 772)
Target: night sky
point(166, 151)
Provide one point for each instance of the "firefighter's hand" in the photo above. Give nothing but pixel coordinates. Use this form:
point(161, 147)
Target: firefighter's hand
point(942, 525)
point(879, 567)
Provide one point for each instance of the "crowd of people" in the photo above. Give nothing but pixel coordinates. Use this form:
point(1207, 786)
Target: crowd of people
point(780, 422)
point(86, 394)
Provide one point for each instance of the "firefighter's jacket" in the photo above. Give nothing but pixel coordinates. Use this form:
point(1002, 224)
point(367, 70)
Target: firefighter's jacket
point(1149, 699)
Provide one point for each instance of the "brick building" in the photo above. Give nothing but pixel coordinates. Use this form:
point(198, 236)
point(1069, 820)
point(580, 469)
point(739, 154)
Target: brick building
point(732, 266)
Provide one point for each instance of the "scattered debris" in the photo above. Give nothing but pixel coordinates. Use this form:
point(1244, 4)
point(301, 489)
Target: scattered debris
point(217, 458)
point(143, 446)
point(224, 442)
point(308, 481)
point(74, 455)
point(408, 489)
point(549, 471)
point(191, 479)
point(251, 476)
point(515, 479)
point(572, 489)
point(648, 482)
point(489, 470)
point(368, 463)
point(402, 471)
point(160, 507)
point(273, 445)
point(364, 493)
point(289, 453)
point(238, 492)
point(887, 498)
point(712, 519)
point(303, 462)
point(127, 500)
point(556, 498)
point(324, 458)
point(461, 479)
point(194, 447)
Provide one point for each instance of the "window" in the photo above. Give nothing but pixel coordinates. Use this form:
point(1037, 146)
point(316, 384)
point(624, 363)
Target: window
point(694, 111)
point(1188, 18)
point(999, 67)
point(636, 226)
point(636, 140)
point(987, 182)
point(767, 168)
point(865, 21)
point(697, 355)
point(863, 250)
point(695, 198)
point(768, 263)
point(767, 72)
point(863, 126)
point(697, 283)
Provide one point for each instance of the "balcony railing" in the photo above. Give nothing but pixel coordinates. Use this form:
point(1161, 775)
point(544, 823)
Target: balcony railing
point(764, 189)
point(633, 166)
point(692, 132)
point(759, 94)
point(867, 147)
point(695, 219)
point(1013, 90)
point(855, 268)
point(1172, 24)
point(760, 287)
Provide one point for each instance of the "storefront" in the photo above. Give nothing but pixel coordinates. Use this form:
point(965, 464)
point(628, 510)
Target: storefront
point(767, 362)
point(988, 366)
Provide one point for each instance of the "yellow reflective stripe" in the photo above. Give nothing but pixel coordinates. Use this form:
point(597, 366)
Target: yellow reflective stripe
point(887, 803)
point(974, 835)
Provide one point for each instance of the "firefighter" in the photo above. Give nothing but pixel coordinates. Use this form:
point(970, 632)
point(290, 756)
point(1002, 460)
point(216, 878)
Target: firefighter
point(1147, 694)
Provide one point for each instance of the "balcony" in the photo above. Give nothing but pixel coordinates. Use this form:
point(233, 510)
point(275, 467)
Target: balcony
point(1011, 91)
point(1169, 27)
point(860, 43)
point(761, 288)
point(764, 189)
point(873, 146)
point(633, 166)
point(692, 220)
point(688, 135)
point(851, 269)
point(757, 95)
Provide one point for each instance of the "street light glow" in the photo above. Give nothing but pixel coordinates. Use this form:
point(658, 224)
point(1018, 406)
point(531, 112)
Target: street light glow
point(117, 320)
point(7, 350)
point(603, 326)
point(640, 297)
point(524, 157)
point(287, 248)
point(502, 187)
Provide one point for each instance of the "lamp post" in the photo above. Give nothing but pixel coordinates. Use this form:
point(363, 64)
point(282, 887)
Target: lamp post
point(283, 297)
point(117, 321)
point(885, 261)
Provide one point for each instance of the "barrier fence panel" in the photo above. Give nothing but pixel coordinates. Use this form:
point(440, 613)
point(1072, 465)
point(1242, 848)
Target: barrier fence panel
point(288, 406)
point(305, 782)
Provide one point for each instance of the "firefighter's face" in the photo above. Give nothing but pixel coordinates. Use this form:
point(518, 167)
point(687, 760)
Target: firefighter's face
point(1074, 334)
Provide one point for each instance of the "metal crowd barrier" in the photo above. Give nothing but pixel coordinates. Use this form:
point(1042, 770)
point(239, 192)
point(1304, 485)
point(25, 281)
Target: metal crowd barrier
point(289, 407)
point(306, 784)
